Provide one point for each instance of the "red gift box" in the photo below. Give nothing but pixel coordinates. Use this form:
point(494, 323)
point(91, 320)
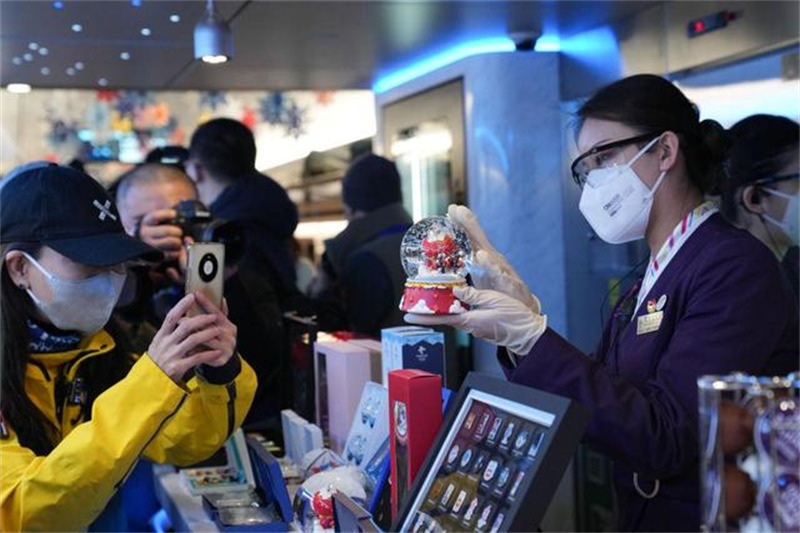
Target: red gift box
point(415, 415)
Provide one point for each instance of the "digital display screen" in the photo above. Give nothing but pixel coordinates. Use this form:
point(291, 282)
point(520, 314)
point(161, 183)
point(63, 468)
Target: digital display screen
point(482, 468)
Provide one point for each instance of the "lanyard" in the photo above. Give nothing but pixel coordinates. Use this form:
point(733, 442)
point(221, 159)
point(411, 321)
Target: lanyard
point(669, 249)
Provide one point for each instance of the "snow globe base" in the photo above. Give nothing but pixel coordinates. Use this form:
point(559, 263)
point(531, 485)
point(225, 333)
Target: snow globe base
point(432, 298)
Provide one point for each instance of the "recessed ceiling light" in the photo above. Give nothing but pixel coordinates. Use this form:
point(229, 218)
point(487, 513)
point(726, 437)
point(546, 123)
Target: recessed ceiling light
point(124, 56)
point(27, 56)
point(102, 82)
point(33, 46)
point(77, 28)
point(174, 18)
point(17, 60)
point(79, 65)
point(70, 71)
point(18, 88)
point(214, 60)
point(43, 51)
point(58, 5)
point(146, 32)
point(45, 71)
point(136, 3)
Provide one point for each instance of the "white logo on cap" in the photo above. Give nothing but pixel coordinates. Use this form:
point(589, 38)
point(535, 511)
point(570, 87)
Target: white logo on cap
point(105, 210)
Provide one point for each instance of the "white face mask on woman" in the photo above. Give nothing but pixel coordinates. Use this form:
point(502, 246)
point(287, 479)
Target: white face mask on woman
point(617, 203)
point(791, 217)
point(81, 305)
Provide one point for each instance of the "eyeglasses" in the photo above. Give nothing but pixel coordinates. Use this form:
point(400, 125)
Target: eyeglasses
point(776, 179)
point(602, 156)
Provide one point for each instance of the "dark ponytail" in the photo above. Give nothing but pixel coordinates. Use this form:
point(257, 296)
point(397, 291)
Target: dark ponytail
point(651, 104)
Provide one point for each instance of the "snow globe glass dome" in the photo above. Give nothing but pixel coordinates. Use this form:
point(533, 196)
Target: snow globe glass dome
point(436, 256)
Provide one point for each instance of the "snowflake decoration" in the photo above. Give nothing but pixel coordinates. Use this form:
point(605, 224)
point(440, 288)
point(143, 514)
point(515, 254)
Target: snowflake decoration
point(295, 120)
point(272, 108)
point(129, 102)
point(213, 99)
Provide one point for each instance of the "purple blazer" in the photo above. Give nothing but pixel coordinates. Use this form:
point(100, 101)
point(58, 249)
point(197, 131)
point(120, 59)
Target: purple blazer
point(728, 308)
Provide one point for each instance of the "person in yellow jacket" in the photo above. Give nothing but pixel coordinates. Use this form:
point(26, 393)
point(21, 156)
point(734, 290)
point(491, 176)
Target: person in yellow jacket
point(78, 411)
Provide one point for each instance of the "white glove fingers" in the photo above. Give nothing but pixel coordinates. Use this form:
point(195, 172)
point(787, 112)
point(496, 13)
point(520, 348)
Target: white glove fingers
point(464, 217)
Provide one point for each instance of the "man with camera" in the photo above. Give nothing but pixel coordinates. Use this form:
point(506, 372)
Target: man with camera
point(158, 204)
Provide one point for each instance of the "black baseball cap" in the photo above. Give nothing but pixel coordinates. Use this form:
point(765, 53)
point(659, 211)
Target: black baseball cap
point(68, 211)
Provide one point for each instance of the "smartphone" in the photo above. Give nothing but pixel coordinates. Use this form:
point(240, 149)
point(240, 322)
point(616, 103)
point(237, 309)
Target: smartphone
point(204, 272)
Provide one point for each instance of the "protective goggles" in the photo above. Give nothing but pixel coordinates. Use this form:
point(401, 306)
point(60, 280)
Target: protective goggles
point(603, 155)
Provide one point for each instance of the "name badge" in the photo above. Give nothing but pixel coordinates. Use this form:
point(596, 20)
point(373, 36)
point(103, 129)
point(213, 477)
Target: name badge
point(649, 323)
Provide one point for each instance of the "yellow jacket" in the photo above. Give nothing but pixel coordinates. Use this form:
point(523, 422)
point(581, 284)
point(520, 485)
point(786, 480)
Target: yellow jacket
point(146, 414)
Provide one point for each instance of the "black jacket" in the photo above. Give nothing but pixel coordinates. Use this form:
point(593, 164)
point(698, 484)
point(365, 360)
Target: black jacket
point(364, 262)
point(268, 218)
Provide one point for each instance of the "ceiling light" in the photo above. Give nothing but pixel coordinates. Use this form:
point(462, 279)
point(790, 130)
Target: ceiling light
point(213, 40)
point(79, 65)
point(33, 46)
point(70, 71)
point(45, 71)
point(146, 32)
point(17, 60)
point(77, 28)
point(136, 3)
point(19, 88)
point(174, 18)
point(58, 5)
point(124, 56)
point(27, 56)
point(102, 82)
point(43, 51)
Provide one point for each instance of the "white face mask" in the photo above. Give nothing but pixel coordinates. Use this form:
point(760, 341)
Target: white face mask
point(791, 218)
point(82, 305)
point(617, 203)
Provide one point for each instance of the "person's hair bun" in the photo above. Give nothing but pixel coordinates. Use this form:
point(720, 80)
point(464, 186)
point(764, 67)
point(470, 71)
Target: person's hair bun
point(715, 141)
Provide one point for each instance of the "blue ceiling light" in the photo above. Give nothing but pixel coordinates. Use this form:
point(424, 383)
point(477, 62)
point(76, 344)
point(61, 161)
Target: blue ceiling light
point(213, 40)
point(136, 3)
point(548, 43)
point(59, 5)
point(442, 59)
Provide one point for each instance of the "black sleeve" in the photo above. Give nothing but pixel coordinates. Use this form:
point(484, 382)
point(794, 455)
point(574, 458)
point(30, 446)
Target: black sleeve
point(368, 291)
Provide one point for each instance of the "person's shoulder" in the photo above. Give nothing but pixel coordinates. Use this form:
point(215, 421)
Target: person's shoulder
point(729, 248)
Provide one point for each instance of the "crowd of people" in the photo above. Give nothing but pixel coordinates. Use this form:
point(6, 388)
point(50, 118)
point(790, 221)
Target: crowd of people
point(104, 368)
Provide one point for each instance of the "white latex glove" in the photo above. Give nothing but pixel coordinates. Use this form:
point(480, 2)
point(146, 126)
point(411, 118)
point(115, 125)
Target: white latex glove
point(490, 270)
point(494, 317)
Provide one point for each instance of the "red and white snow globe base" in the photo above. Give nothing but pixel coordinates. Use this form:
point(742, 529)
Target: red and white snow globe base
point(432, 298)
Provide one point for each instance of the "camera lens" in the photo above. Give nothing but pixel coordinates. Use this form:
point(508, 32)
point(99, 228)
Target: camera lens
point(208, 267)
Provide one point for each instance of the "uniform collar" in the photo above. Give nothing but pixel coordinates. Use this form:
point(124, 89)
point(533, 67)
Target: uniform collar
point(96, 344)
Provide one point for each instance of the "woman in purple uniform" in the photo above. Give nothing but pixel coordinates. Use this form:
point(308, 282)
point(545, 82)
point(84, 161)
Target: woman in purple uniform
point(712, 300)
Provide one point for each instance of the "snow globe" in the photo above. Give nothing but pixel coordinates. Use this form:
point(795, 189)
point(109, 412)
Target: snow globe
point(436, 256)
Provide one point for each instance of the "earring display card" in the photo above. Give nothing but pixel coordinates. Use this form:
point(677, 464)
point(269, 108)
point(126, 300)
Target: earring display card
point(484, 472)
point(370, 426)
point(367, 445)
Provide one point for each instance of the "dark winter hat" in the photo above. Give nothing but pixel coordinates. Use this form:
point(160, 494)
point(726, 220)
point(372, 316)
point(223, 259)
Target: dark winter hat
point(371, 182)
point(68, 211)
point(760, 144)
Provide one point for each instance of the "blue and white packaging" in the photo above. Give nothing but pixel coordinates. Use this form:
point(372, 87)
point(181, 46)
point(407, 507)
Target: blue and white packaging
point(367, 443)
point(412, 348)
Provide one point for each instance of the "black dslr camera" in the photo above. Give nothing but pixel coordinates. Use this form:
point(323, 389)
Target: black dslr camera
point(197, 222)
